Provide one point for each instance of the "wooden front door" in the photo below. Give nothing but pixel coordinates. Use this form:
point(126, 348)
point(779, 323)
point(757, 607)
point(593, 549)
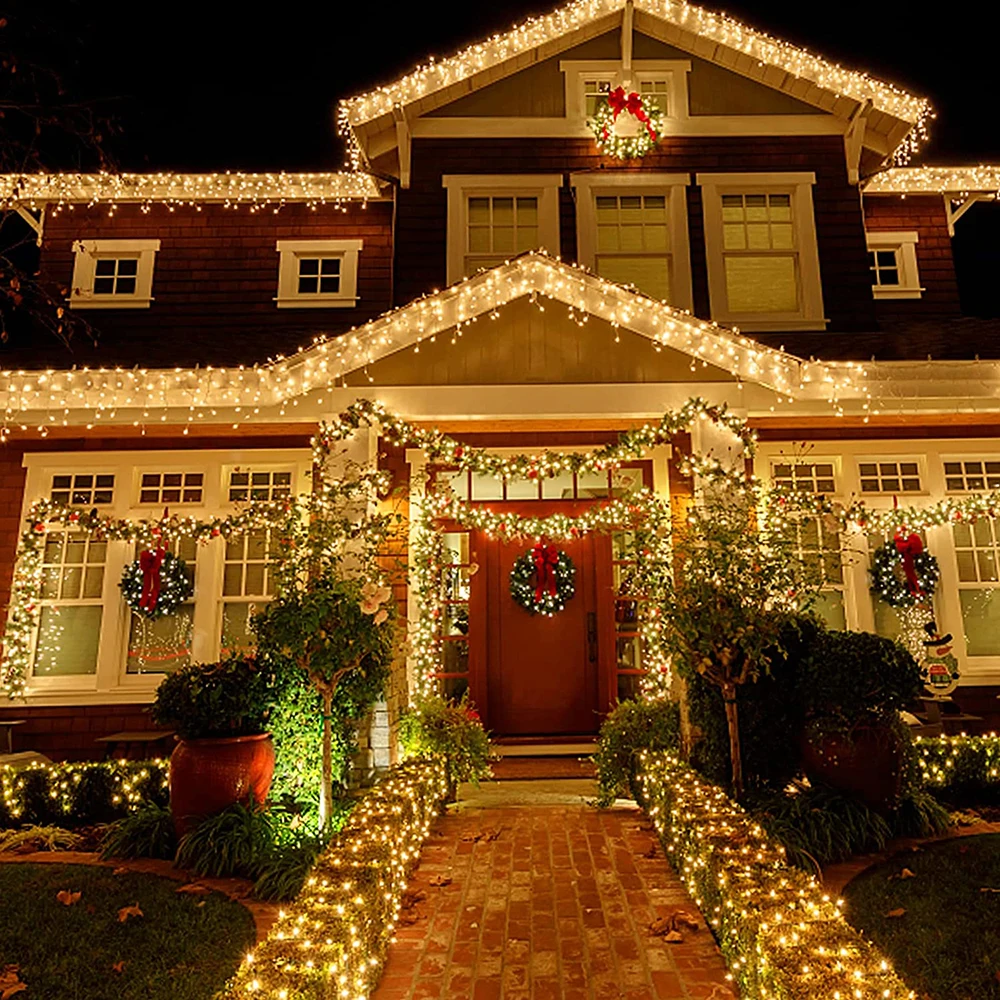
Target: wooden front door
point(541, 674)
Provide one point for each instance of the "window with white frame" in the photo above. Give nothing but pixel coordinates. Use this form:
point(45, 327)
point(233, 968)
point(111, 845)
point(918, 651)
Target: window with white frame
point(113, 274)
point(892, 261)
point(977, 557)
point(760, 243)
point(632, 229)
point(247, 584)
point(83, 489)
point(314, 274)
point(589, 82)
point(72, 604)
point(889, 476)
point(804, 477)
point(962, 475)
point(492, 218)
point(258, 484)
point(171, 487)
point(817, 543)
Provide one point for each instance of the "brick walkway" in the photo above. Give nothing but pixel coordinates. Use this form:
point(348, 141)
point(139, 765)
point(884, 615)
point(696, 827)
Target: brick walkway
point(547, 903)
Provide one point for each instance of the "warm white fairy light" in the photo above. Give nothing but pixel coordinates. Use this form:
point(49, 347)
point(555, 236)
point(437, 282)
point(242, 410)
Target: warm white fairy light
point(956, 181)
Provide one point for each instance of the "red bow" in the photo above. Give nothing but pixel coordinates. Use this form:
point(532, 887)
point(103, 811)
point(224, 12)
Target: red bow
point(149, 563)
point(546, 557)
point(619, 101)
point(910, 546)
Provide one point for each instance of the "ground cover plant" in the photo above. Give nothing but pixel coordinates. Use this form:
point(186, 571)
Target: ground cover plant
point(936, 913)
point(100, 946)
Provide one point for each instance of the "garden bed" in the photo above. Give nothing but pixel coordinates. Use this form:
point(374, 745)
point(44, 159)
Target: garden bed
point(183, 946)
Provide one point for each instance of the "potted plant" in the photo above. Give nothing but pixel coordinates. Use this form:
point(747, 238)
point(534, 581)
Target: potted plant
point(224, 753)
point(853, 685)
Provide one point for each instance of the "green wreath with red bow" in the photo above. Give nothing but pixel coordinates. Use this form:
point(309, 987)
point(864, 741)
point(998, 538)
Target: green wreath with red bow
point(156, 583)
point(543, 579)
point(903, 573)
point(626, 147)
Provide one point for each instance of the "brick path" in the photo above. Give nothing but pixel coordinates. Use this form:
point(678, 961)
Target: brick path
point(547, 903)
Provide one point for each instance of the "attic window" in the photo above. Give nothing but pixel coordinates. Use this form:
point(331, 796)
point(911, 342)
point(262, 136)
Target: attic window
point(113, 274)
point(318, 274)
point(892, 261)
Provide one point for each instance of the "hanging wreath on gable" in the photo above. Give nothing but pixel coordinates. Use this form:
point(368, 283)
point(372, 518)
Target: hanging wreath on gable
point(647, 114)
point(542, 580)
point(903, 573)
point(156, 583)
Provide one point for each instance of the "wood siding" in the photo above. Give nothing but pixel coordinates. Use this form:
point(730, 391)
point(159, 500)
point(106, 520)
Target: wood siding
point(422, 209)
point(214, 284)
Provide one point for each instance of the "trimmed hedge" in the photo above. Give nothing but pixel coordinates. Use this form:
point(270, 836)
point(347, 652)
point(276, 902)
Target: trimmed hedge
point(963, 765)
point(782, 936)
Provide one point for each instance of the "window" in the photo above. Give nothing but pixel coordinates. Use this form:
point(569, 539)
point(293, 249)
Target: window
point(259, 484)
point(566, 486)
point(892, 260)
point(318, 273)
point(633, 230)
point(977, 554)
point(818, 547)
point(804, 477)
point(246, 585)
point(71, 606)
point(629, 668)
point(171, 487)
point(492, 218)
point(595, 93)
point(588, 83)
point(961, 475)
point(456, 591)
point(83, 489)
point(889, 476)
point(760, 241)
point(113, 274)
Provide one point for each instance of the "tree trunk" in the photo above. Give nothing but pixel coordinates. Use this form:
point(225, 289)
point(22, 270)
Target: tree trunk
point(326, 788)
point(733, 723)
point(687, 729)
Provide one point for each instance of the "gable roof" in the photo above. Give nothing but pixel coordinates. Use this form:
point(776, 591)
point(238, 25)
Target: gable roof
point(893, 112)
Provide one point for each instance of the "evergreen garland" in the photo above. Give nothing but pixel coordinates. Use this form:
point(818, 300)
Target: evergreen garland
point(523, 585)
point(175, 586)
point(888, 580)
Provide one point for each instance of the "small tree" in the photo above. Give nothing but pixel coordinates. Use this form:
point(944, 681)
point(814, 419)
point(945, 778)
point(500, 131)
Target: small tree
point(332, 615)
point(736, 578)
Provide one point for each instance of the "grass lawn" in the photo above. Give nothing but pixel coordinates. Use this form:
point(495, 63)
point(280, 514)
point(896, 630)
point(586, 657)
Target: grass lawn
point(183, 947)
point(947, 943)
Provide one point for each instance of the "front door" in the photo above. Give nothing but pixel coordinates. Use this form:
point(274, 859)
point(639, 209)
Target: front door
point(541, 673)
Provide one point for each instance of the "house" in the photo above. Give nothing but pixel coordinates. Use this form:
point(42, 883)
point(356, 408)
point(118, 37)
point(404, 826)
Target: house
point(482, 266)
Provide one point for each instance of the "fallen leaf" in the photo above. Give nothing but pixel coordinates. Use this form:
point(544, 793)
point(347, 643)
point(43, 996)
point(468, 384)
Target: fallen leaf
point(650, 852)
point(10, 982)
point(660, 926)
point(411, 897)
point(129, 911)
point(674, 937)
point(685, 918)
point(898, 912)
point(904, 874)
point(118, 967)
point(193, 889)
point(120, 871)
point(987, 888)
point(439, 881)
point(67, 898)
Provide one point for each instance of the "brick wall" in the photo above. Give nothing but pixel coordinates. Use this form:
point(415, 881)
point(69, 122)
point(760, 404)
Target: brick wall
point(214, 283)
point(422, 210)
point(926, 215)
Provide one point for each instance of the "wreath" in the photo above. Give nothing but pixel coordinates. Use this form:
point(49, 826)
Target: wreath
point(626, 147)
point(156, 583)
point(903, 573)
point(541, 580)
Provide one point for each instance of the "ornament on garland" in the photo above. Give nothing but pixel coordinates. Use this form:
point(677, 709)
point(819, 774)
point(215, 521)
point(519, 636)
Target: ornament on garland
point(648, 122)
point(156, 583)
point(903, 573)
point(542, 580)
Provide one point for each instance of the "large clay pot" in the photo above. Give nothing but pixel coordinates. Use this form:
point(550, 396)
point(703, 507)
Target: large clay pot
point(866, 764)
point(207, 776)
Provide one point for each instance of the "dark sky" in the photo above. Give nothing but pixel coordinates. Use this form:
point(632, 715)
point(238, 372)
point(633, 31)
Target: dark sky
point(213, 86)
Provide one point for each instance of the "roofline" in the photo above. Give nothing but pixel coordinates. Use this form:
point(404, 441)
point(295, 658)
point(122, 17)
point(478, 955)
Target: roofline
point(753, 45)
point(935, 180)
point(36, 190)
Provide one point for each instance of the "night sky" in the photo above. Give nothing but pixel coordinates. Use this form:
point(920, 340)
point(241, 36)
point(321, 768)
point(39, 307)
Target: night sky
point(213, 86)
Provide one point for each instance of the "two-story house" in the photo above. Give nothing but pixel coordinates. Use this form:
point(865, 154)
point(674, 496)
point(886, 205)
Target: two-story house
point(484, 267)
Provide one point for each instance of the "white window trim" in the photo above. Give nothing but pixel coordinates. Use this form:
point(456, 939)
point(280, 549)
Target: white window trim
point(88, 252)
point(110, 682)
point(459, 186)
point(675, 71)
point(618, 182)
point(984, 455)
point(799, 185)
point(905, 245)
point(898, 457)
point(288, 296)
point(773, 458)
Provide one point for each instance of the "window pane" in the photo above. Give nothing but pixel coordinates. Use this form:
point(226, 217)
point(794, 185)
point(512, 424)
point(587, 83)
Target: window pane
point(67, 641)
point(128, 266)
point(479, 211)
point(558, 487)
point(981, 617)
point(160, 646)
point(830, 607)
point(650, 275)
point(237, 635)
point(761, 284)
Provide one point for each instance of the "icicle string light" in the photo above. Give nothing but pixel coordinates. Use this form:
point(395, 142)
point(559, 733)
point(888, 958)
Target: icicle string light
point(957, 181)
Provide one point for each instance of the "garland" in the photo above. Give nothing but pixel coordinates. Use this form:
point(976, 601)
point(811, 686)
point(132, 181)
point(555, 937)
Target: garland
point(542, 580)
point(902, 573)
point(649, 116)
point(156, 583)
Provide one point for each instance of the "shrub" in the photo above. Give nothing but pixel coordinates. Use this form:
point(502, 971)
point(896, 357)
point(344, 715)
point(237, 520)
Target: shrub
point(146, 833)
point(230, 844)
point(438, 726)
point(230, 698)
point(631, 727)
point(964, 768)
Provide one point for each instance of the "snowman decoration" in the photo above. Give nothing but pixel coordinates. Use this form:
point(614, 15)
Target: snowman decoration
point(940, 665)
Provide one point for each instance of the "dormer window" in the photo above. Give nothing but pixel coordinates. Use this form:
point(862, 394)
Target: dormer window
point(892, 261)
point(113, 274)
point(589, 82)
point(318, 274)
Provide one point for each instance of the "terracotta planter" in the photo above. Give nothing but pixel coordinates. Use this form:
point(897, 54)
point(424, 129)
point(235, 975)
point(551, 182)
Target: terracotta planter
point(207, 776)
point(867, 764)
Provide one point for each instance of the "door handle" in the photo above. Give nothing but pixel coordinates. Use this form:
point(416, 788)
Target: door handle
point(592, 636)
